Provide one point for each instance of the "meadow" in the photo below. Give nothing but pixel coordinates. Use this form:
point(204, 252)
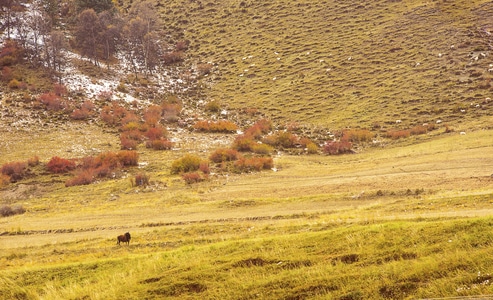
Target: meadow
point(399, 216)
point(408, 221)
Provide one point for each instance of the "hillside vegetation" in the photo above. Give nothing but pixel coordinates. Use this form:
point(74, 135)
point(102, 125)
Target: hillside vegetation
point(296, 150)
point(345, 63)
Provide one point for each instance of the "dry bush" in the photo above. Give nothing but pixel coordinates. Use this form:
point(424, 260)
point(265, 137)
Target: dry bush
point(60, 90)
point(6, 210)
point(161, 144)
point(282, 139)
point(156, 133)
point(11, 53)
point(15, 170)
point(224, 154)
point(113, 114)
point(263, 149)
point(205, 168)
point(182, 45)
point(173, 57)
point(244, 143)
point(33, 161)
point(419, 129)
point(192, 177)
point(128, 144)
point(52, 102)
point(398, 134)
point(357, 135)
point(311, 148)
point(186, 164)
point(152, 115)
point(4, 180)
point(171, 111)
point(7, 74)
point(84, 112)
point(14, 84)
point(84, 177)
point(204, 69)
point(60, 165)
point(250, 164)
point(338, 147)
point(261, 127)
point(141, 179)
point(128, 158)
point(213, 106)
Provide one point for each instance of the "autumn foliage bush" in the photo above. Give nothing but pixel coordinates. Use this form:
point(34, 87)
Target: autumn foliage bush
point(357, 135)
point(14, 170)
point(11, 53)
point(52, 102)
point(337, 147)
point(60, 165)
point(192, 177)
point(398, 134)
point(250, 164)
point(224, 154)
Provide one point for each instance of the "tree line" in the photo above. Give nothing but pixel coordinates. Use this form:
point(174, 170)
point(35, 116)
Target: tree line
point(46, 29)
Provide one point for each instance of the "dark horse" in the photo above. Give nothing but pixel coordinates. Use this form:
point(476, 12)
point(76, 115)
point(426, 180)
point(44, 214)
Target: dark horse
point(124, 238)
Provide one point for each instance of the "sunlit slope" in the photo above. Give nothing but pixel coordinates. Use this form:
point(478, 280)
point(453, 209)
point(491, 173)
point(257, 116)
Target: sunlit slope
point(344, 63)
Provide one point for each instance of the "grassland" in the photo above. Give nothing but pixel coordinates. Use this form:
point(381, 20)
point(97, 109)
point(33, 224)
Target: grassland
point(420, 229)
point(400, 219)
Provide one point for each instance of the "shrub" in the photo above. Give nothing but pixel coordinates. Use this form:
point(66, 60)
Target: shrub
point(128, 158)
point(6, 211)
point(33, 161)
point(4, 180)
point(11, 53)
point(398, 134)
point(419, 129)
point(213, 106)
point(357, 135)
point(85, 112)
point(337, 147)
point(188, 163)
point(161, 144)
point(224, 154)
point(152, 115)
point(60, 165)
point(171, 111)
point(262, 126)
point(192, 177)
point(60, 90)
point(52, 102)
point(182, 45)
point(128, 144)
point(282, 139)
point(204, 69)
point(14, 84)
point(262, 149)
point(173, 57)
point(155, 133)
point(311, 148)
point(15, 170)
point(243, 143)
point(84, 177)
point(112, 115)
point(7, 74)
point(204, 167)
point(141, 179)
point(245, 165)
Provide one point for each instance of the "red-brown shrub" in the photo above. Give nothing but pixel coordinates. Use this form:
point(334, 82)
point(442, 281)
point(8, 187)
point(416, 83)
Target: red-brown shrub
point(80, 114)
point(7, 74)
point(113, 114)
point(243, 143)
point(33, 161)
point(52, 102)
point(141, 179)
point(173, 57)
point(192, 177)
point(84, 177)
point(128, 144)
point(204, 167)
point(398, 134)
point(4, 180)
point(224, 154)
point(15, 170)
point(281, 139)
point(60, 90)
point(419, 129)
point(357, 135)
point(105, 95)
point(155, 133)
point(60, 165)
point(337, 147)
point(152, 115)
point(11, 53)
point(161, 144)
point(262, 126)
point(128, 158)
point(250, 164)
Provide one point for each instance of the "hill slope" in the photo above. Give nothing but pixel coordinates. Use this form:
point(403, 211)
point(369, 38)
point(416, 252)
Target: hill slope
point(345, 63)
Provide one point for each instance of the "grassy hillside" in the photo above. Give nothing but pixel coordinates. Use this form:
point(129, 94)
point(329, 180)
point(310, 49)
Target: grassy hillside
point(345, 63)
point(399, 219)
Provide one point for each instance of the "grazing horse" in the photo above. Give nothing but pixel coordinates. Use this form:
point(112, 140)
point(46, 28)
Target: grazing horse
point(124, 238)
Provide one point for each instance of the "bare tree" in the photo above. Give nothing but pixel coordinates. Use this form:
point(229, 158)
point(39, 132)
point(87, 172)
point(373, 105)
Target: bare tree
point(8, 9)
point(54, 52)
point(111, 34)
point(87, 34)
